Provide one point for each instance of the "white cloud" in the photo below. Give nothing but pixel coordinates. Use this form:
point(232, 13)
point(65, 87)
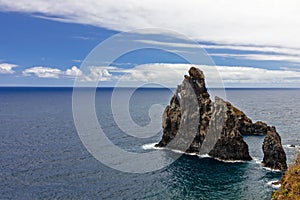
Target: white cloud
point(98, 73)
point(256, 22)
point(270, 49)
point(252, 76)
point(43, 72)
point(73, 72)
point(171, 75)
point(281, 54)
point(95, 73)
point(6, 68)
point(261, 57)
point(48, 72)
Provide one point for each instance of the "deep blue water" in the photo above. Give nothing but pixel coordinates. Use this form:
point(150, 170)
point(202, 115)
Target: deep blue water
point(42, 157)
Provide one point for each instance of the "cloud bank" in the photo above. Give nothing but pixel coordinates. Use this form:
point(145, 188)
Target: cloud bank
point(170, 75)
point(261, 53)
point(216, 76)
point(268, 22)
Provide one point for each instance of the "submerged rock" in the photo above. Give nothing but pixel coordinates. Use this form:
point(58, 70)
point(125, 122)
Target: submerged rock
point(274, 155)
point(194, 124)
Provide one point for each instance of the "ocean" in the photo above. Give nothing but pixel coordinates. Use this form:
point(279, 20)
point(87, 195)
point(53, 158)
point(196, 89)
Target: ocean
point(42, 156)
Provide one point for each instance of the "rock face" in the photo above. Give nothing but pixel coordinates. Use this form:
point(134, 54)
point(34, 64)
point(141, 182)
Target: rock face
point(190, 107)
point(230, 144)
point(194, 124)
point(274, 155)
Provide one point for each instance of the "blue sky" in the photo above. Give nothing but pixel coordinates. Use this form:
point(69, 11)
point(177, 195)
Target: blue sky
point(44, 43)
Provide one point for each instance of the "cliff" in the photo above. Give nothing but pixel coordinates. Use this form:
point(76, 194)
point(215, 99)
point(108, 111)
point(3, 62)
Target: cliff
point(195, 124)
point(290, 183)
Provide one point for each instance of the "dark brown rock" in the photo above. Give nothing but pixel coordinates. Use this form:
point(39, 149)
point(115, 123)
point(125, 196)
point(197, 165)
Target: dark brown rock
point(230, 144)
point(274, 155)
point(245, 124)
point(171, 121)
point(194, 124)
point(189, 108)
point(224, 142)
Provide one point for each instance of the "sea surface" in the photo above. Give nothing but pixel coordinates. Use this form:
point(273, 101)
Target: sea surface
point(42, 156)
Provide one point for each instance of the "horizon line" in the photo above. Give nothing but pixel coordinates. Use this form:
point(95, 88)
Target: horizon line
point(110, 87)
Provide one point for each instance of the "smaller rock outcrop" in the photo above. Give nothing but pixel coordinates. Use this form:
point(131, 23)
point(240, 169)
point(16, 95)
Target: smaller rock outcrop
point(274, 155)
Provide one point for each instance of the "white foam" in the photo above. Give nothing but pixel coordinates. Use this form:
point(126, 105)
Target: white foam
point(230, 161)
point(150, 146)
point(204, 156)
point(226, 161)
point(176, 151)
point(270, 169)
point(257, 160)
point(182, 152)
point(291, 147)
point(276, 186)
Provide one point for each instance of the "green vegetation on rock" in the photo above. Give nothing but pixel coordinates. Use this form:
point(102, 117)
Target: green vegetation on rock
point(290, 184)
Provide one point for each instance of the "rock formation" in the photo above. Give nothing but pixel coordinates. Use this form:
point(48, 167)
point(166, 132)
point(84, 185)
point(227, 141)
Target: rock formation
point(194, 124)
point(274, 155)
point(190, 106)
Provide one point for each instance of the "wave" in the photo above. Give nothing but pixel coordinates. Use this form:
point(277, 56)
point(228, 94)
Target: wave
point(257, 160)
point(150, 146)
point(230, 161)
point(275, 184)
point(182, 152)
point(270, 169)
point(204, 156)
point(291, 146)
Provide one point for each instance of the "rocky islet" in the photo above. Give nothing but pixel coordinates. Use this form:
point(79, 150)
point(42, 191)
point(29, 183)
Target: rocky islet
point(195, 124)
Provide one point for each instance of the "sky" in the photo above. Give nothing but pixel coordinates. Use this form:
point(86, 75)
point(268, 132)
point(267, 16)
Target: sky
point(130, 42)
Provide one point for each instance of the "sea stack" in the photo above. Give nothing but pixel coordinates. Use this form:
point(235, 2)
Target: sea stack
point(274, 155)
point(195, 124)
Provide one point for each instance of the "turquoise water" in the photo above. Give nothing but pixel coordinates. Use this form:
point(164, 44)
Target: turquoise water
point(42, 157)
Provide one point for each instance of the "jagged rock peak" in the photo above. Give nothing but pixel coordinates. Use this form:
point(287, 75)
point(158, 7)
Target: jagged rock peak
point(190, 104)
point(196, 73)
